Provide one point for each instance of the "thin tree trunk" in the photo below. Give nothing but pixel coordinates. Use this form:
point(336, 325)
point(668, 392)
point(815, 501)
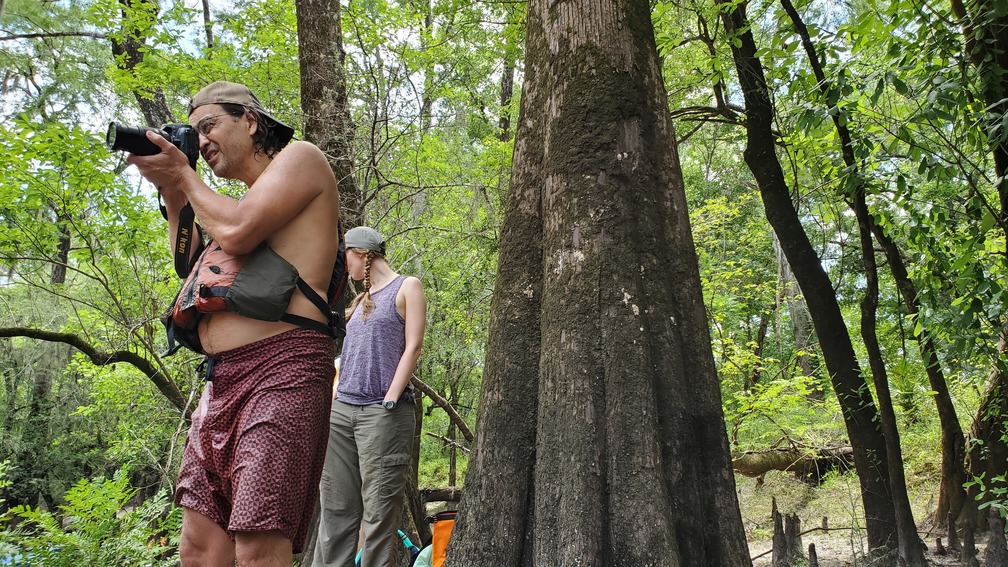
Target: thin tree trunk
point(327, 121)
point(910, 552)
point(909, 545)
point(506, 92)
point(208, 28)
point(59, 267)
point(414, 501)
point(951, 494)
point(761, 333)
point(856, 404)
point(129, 53)
point(452, 432)
point(799, 316)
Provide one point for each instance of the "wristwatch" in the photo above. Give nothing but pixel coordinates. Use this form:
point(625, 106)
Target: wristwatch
point(389, 404)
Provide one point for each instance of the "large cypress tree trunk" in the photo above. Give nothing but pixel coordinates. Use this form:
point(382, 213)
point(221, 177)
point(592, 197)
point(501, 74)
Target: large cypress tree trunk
point(497, 517)
point(621, 455)
point(985, 29)
point(856, 404)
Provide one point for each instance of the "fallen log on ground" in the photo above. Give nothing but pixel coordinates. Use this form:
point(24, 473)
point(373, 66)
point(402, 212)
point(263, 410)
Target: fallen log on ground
point(441, 494)
point(809, 465)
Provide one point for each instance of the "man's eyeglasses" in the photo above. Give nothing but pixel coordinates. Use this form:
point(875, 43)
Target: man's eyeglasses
point(207, 124)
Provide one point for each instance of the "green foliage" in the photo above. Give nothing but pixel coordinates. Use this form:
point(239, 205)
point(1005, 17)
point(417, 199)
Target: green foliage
point(98, 526)
point(788, 411)
point(424, 81)
point(134, 419)
point(433, 167)
point(991, 493)
point(435, 454)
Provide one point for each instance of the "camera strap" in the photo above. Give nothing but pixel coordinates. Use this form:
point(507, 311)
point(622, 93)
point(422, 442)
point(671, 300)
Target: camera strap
point(185, 256)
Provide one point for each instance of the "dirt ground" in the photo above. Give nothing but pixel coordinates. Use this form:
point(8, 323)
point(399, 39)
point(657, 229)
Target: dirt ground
point(837, 500)
point(839, 551)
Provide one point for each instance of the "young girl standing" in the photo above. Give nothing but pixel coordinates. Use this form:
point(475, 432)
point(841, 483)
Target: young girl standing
point(372, 420)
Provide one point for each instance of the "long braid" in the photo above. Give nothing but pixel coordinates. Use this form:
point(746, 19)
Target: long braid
point(368, 303)
point(364, 295)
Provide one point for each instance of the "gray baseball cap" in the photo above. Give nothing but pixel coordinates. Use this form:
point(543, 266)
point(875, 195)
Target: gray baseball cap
point(225, 92)
point(366, 238)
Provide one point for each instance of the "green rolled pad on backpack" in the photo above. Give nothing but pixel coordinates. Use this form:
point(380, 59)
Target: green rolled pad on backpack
point(263, 287)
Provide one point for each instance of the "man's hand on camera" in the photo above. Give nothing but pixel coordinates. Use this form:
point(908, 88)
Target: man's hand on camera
point(166, 170)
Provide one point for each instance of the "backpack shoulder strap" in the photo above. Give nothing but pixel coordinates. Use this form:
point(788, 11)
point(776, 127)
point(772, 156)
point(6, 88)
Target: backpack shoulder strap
point(340, 275)
point(317, 300)
point(336, 327)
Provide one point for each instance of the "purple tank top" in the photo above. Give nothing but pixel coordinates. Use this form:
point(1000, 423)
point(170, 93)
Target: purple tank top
point(372, 349)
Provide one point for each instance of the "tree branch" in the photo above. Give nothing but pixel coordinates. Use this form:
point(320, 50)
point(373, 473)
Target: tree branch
point(448, 441)
point(47, 35)
point(102, 358)
point(455, 418)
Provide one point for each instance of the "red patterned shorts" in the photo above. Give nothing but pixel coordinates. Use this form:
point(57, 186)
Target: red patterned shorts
point(257, 442)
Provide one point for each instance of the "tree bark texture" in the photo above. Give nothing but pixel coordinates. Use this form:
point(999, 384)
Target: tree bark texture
point(856, 404)
point(985, 29)
point(996, 552)
point(631, 461)
point(327, 122)
point(496, 515)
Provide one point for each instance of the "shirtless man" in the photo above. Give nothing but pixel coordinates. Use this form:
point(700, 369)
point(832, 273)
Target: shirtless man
point(250, 473)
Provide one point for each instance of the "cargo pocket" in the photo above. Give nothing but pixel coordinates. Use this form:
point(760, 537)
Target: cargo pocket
point(393, 474)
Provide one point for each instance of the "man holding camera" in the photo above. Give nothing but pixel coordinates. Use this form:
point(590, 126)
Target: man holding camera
point(250, 473)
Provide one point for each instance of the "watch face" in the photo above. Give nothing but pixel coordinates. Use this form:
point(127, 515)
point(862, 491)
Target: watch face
point(389, 404)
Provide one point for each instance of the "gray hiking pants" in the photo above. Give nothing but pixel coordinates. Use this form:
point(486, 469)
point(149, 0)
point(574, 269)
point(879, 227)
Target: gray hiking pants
point(363, 483)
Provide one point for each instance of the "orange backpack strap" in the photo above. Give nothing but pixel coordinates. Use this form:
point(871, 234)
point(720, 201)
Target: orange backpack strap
point(443, 524)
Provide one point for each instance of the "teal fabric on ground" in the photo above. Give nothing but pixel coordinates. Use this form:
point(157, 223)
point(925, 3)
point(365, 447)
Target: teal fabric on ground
point(424, 559)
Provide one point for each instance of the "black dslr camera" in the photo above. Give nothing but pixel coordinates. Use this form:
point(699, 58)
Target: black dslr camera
point(133, 139)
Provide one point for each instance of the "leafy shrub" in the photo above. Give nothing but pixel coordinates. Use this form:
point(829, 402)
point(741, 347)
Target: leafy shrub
point(97, 527)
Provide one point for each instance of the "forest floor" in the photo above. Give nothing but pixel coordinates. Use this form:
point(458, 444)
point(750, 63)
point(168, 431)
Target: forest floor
point(838, 501)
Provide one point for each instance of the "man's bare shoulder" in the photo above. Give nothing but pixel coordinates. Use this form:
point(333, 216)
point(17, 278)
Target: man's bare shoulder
point(303, 149)
point(304, 159)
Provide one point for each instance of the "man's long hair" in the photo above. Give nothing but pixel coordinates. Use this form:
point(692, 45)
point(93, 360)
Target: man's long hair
point(265, 139)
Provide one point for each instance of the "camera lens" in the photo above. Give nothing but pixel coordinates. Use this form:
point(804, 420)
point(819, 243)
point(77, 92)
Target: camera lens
point(132, 139)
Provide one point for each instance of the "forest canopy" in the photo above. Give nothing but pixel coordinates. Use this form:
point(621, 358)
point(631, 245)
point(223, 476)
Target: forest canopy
point(888, 121)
